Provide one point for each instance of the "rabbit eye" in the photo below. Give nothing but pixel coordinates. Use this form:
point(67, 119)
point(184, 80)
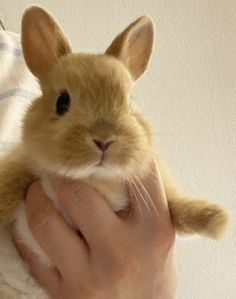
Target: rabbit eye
point(63, 103)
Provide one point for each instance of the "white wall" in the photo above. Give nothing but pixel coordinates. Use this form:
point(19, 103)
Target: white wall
point(189, 94)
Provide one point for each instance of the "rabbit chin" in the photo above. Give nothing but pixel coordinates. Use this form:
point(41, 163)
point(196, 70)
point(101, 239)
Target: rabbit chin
point(106, 171)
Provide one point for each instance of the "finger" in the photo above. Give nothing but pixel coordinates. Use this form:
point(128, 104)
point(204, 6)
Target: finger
point(87, 208)
point(24, 252)
point(48, 278)
point(148, 195)
point(52, 232)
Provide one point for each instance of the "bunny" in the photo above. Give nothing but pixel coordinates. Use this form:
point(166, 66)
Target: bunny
point(83, 127)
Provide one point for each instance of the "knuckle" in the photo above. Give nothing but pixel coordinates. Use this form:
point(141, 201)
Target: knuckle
point(126, 271)
point(162, 239)
point(166, 242)
point(126, 265)
point(106, 240)
point(169, 236)
point(106, 237)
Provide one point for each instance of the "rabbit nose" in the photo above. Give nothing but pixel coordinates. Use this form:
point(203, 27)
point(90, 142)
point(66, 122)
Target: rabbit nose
point(102, 145)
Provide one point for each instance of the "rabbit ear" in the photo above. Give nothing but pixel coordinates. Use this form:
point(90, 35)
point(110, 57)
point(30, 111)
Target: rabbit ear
point(134, 46)
point(43, 41)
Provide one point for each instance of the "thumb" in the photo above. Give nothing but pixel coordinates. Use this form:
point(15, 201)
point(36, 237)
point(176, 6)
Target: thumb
point(147, 194)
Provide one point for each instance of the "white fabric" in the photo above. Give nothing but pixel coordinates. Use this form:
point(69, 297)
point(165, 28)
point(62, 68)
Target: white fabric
point(17, 89)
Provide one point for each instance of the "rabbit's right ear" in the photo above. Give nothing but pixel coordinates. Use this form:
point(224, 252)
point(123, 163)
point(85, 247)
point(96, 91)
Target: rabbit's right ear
point(43, 41)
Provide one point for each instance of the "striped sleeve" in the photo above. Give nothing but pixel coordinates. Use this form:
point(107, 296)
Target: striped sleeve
point(18, 88)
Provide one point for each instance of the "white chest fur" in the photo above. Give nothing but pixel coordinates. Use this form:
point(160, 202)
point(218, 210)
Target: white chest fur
point(114, 194)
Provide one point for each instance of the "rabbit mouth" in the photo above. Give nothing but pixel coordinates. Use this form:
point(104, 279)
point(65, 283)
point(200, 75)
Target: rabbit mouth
point(101, 161)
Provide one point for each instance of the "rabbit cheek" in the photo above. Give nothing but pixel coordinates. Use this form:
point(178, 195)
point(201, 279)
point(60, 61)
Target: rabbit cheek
point(73, 148)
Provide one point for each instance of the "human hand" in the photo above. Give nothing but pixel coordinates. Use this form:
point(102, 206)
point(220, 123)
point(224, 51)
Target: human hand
point(128, 257)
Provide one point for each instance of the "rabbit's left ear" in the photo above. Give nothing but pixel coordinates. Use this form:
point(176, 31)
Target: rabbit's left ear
point(43, 41)
point(134, 46)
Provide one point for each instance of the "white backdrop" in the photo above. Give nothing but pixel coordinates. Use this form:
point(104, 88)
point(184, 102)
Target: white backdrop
point(189, 93)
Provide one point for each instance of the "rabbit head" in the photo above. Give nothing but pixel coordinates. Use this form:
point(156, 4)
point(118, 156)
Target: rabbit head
point(83, 124)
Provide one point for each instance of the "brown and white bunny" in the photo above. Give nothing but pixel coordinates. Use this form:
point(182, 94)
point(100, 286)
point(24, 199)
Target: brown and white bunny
point(83, 127)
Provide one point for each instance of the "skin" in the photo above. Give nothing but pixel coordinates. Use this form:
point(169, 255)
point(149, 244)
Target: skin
point(129, 256)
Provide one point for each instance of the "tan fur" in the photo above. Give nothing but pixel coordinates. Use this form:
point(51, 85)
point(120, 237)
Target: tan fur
point(4, 296)
point(99, 87)
point(134, 46)
point(15, 177)
point(197, 216)
point(50, 37)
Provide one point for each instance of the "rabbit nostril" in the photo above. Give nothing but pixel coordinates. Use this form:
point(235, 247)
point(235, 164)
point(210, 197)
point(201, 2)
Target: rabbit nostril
point(102, 145)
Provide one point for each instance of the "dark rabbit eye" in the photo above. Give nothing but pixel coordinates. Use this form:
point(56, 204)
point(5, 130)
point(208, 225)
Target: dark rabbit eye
point(63, 103)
